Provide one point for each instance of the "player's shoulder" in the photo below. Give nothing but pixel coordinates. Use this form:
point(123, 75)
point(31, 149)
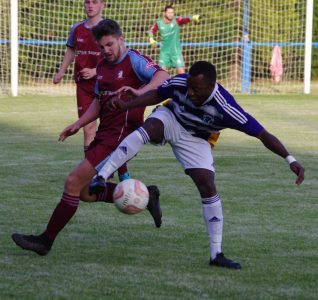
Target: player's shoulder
point(78, 25)
point(136, 56)
point(223, 97)
point(178, 81)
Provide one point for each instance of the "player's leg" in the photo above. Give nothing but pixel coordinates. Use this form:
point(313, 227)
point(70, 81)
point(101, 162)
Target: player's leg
point(64, 211)
point(177, 62)
point(152, 130)
point(164, 60)
point(84, 97)
point(195, 156)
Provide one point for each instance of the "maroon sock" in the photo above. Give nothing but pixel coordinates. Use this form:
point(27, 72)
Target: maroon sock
point(123, 169)
point(107, 196)
point(63, 212)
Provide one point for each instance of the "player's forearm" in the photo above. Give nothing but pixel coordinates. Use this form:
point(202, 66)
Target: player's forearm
point(158, 79)
point(90, 115)
point(149, 98)
point(68, 59)
point(272, 143)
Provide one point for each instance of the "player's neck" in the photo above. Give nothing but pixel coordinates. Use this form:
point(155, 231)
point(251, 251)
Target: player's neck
point(93, 21)
point(167, 21)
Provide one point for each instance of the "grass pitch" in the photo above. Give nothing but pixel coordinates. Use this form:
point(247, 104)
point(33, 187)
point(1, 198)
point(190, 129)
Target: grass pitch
point(270, 225)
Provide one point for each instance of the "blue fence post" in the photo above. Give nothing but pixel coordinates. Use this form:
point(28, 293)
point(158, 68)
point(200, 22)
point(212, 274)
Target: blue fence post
point(246, 53)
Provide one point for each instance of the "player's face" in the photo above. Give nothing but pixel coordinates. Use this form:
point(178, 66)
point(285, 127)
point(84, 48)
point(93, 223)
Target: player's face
point(169, 14)
point(93, 8)
point(199, 89)
point(112, 47)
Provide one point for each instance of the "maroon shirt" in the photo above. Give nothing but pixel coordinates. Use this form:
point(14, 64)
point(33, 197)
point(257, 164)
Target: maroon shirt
point(87, 53)
point(132, 69)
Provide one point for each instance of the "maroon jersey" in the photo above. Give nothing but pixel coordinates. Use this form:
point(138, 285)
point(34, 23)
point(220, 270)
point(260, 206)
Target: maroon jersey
point(87, 53)
point(132, 69)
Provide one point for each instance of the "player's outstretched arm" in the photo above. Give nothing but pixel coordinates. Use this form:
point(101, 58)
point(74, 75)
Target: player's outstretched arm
point(90, 115)
point(149, 98)
point(275, 145)
point(67, 60)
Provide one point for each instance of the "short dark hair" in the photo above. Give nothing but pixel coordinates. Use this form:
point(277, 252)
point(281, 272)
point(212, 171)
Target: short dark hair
point(106, 27)
point(168, 7)
point(204, 68)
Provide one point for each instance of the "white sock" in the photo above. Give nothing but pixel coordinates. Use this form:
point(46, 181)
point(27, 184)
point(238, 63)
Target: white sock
point(126, 150)
point(212, 213)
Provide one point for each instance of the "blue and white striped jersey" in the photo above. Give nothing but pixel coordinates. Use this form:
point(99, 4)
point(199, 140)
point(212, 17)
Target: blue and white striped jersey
point(219, 111)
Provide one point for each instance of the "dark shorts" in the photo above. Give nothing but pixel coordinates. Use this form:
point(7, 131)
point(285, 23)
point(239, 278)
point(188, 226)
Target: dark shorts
point(84, 95)
point(100, 148)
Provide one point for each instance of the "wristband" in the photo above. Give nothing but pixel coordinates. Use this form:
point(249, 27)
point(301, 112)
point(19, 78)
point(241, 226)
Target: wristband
point(290, 159)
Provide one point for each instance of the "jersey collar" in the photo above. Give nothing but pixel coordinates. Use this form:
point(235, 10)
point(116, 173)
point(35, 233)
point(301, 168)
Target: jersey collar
point(216, 87)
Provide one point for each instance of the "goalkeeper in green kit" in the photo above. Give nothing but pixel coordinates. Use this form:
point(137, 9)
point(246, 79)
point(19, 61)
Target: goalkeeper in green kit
point(169, 31)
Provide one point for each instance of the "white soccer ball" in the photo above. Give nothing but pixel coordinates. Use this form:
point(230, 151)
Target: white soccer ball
point(131, 196)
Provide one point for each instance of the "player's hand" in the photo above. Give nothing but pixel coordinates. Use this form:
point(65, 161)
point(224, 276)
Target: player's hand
point(58, 77)
point(88, 73)
point(153, 43)
point(298, 169)
point(196, 18)
point(115, 103)
point(68, 131)
point(128, 92)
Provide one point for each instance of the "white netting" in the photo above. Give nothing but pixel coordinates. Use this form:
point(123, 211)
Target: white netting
point(218, 38)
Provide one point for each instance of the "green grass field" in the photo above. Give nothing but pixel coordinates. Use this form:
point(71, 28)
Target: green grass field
point(270, 224)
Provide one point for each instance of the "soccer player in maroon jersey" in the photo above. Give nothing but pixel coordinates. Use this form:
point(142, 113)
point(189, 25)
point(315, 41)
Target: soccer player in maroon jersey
point(120, 68)
point(82, 47)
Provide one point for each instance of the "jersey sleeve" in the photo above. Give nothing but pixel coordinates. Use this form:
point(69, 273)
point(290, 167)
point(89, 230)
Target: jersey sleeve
point(154, 28)
point(71, 38)
point(143, 66)
point(234, 115)
point(182, 20)
point(168, 88)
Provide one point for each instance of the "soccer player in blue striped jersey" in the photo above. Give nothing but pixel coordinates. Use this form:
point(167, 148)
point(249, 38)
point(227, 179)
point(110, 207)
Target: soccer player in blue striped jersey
point(191, 123)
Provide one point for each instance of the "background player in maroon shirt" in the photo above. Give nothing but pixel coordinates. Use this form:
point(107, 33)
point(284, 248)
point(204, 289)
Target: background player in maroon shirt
point(120, 67)
point(82, 47)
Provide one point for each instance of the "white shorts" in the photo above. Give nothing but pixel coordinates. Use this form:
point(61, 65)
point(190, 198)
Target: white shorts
point(192, 152)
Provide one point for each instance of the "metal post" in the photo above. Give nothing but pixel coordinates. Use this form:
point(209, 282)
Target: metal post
point(308, 45)
point(14, 47)
point(246, 53)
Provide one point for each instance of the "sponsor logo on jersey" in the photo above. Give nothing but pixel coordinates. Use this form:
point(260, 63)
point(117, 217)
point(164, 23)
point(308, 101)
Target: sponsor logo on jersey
point(99, 77)
point(208, 119)
point(79, 40)
point(149, 65)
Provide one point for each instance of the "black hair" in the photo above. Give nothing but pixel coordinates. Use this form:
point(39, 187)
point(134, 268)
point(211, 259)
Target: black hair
point(168, 7)
point(204, 68)
point(106, 27)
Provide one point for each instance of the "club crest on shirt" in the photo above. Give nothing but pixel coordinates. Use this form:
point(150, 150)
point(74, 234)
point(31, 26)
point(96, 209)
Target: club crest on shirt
point(120, 75)
point(208, 119)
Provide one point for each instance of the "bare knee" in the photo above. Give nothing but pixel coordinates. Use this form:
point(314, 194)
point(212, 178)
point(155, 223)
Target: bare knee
point(204, 181)
point(155, 130)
